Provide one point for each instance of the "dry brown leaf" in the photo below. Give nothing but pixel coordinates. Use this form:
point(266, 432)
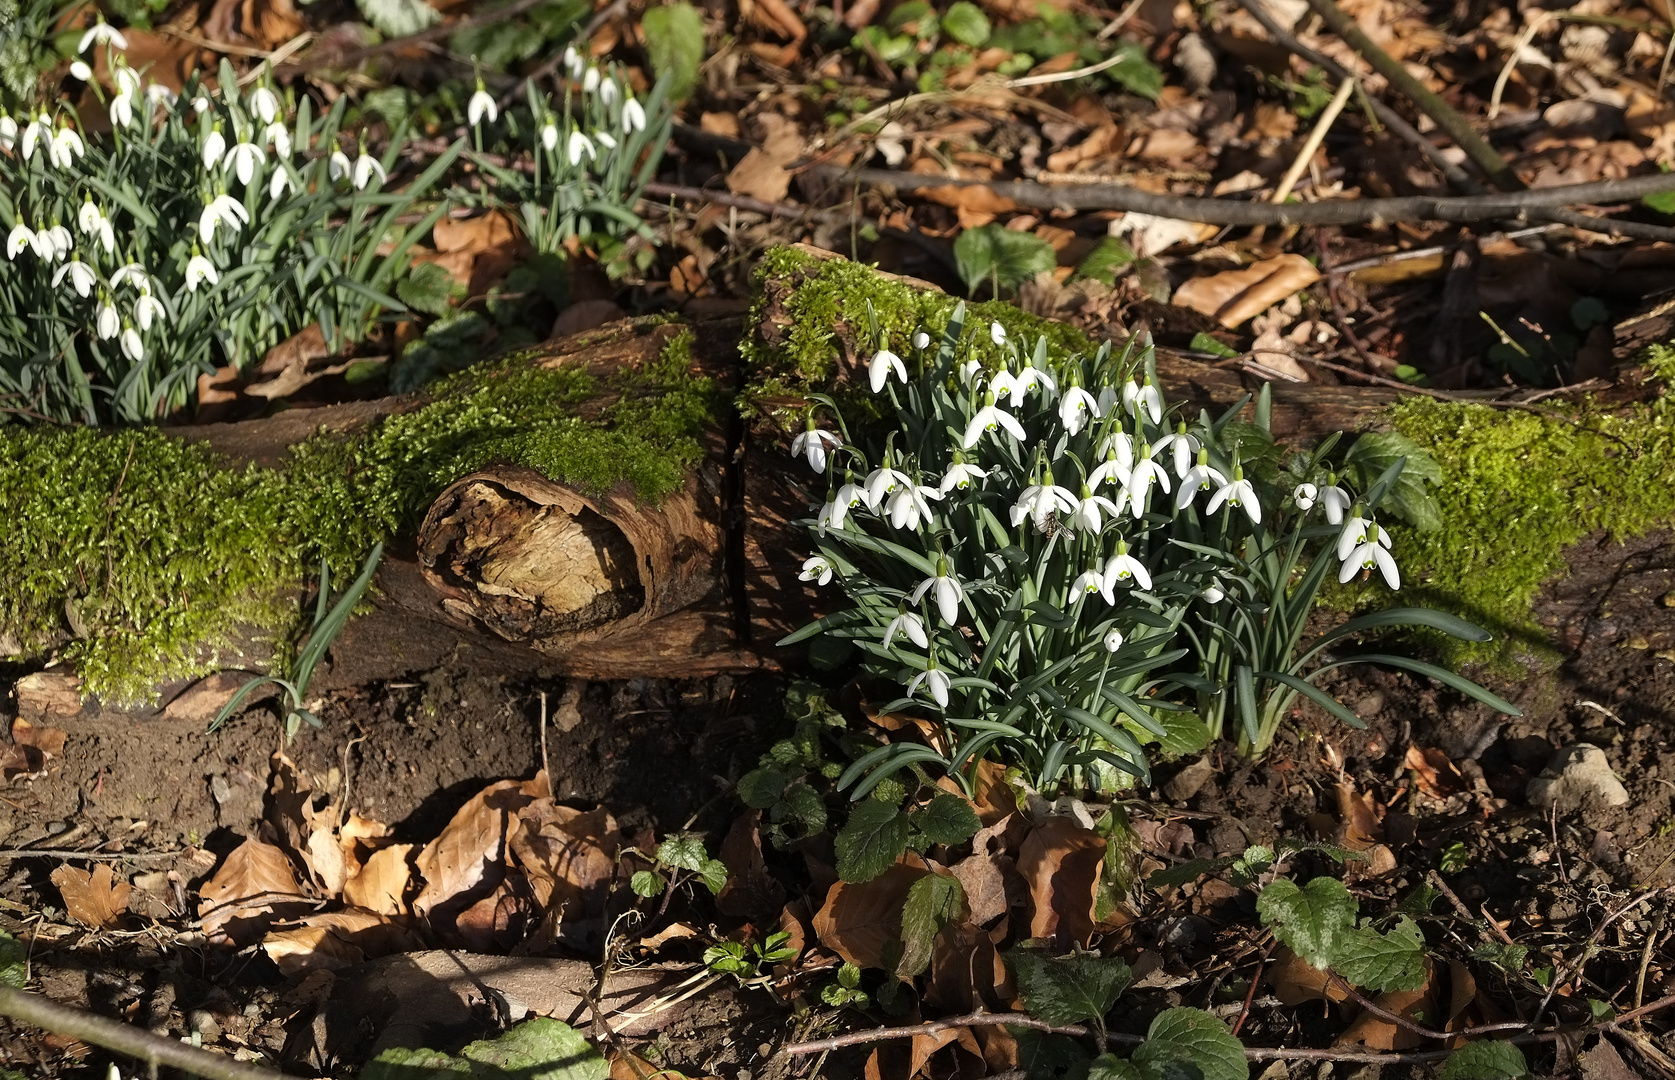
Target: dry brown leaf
point(475, 235)
point(1233, 297)
point(94, 899)
point(627, 1065)
point(585, 315)
point(1061, 861)
point(974, 204)
point(468, 855)
point(1103, 140)
point(254, 886)
point(983, 877)
point(751, 892)
point(568, 854)
point(1295, 981)
point(761, 173)
point(966, 970)
point(954, 1040)
point(1434, 772)
point(993, 798)
point(32, 745)
point(263, 24)
point(774, 16)
point(1377, 1033)
point(382, 881)
point(861, 919)
point(720, 123)
point(1362, 818)
point(324, 857)
point(335, 940)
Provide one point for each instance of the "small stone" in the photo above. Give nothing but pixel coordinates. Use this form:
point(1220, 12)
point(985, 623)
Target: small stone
point(48, 695)
point(1189, 781)
point(1369, 705)
point(1571, 774)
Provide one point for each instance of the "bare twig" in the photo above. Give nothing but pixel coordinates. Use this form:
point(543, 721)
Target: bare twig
point(976, 1019)
point(126, 1039)
point(93, 856)
point(1651, 938)
point(1255, 981)
point(1328, 117)
point(1574, 968)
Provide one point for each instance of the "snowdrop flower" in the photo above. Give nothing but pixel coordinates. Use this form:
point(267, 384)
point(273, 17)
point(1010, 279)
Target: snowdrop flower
point(1370, 556)
point(603, 138)
point(988, 418)
point(1358, 531)
point(82, 278)
point(908, 505)
point(1040, 500)
point(1113, 470)
point(8, 131)
point(1334, 500)
point(148, 309)
point(1135, 397)
point(102, 31)
point(970, 370)
point(481, 105)
point(549, 136)
point(127, 80)
point(156, 93)
point(200, 270)
point(122, 110)
point(909, 625)
point(577, 146)
point(60, 239)
point(945, 589)
point(108, 324)
point(66, 147)
point(365, 166)
point(997, 333)
point(1124, 569)
point(936, 681)
point(1212, 594)
point(339, 167)
point(132, 272)
point(1201, 477)
point(878, 370)
point(573, 61)
point(107, 236)
point(881, 482)
point(960, 475)
point(225, 210)
point(1304, 495)
point(921, 340)
point(608, 92)
point(281, 180)
point(89, 216)
point(633, 116)
point(1019, 385)
point(1075, 407)
point(1112, 640)
point(1183, 446)
point(812, 445)
point(590, 80)
point(1140, 480)
point(80, 70)
point(264, 104)
point(849, 496)
point(279, 136)
point(816, 569)
point(243, 158)
point(215, 144)
point(21, 236)
point(1086, 514)
point(132, 347)
point(1238, 492)
point(1089, 581)
point(200, 105)
point(38, 129)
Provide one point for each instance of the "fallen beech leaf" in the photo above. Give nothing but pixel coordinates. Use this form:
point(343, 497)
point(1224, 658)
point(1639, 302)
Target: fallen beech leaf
point(468, 857)
point(967, 972)
point(474, 234)
point(200, 702)
point(860, 920)
point(974, 204)
point(324, 857)
point(335, 940)
point(1149, 235)
point(1436, 775)
point(1362, 817)
point(254, 886)
point(1377, 1033)
point(1233, 297)
point(1294, 980)
point(360, 837)
point(94, 899)
point(924, 1047)
point(569, 855)
point(1061, 862)
point(993, 797)
point(983, 877)
point(382, 881)
point(750, 892)
point(263, 24)
point(761, 173)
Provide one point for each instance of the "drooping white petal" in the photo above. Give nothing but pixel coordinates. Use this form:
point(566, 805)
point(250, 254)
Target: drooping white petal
point(481, 105)
point(365, 166)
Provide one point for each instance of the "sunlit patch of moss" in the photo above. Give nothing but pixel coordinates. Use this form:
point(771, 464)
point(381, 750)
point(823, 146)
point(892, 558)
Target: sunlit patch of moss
point(148, 552)
point(1519, 489)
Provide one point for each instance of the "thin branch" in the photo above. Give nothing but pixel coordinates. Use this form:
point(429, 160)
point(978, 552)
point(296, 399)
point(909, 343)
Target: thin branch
point(1574, 968)
point(96, 856)
point(976, 1019)
point(126, 1039)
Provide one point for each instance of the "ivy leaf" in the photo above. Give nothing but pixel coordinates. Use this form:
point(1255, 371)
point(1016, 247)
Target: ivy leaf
point(1068, 989)
point(871, 841)
point(1003, 255)
point(1190, 1042)
point(1383, 962)
point(1408, 497)
point(932, 902)
point(674, 36)
point(1312, 920)
point(1485, 1061)
point(947, 819)
point(398, 18)
point(541, 1049)
point(761, 788)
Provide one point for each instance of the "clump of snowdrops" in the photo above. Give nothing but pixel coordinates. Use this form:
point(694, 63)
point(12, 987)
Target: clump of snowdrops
point(1061, 570)
point(202, 230)
point(591, 154)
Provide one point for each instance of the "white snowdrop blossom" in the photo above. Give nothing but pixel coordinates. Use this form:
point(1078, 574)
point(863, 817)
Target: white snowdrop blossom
point(881, 482)
point(1075, 408)
point(549, 136)
point(481, 105)
point(148, 309)
point(1334, 501)
point(1112, 640)
point(1041, 500)
point(88, 217)
point(61, 240)
point(222, 210)
point(935, 681)
point(997, 333)
point(107, 323)
point(1087, 582)
point(1359, 530)
point(1088, 508)
point(970, 370)
point(37, 129)
point(576, 146)
point(66, 147)
point(1018, 386)
point(1238, 492)
point(816, 569)
point(215, 144)
point(1201, 477)
point(960, 475)
point(277, 135)
point(910, 626)
point(280, 181)
point(127, 80)
point(339, 166)
point(988, 418)
point(1304, 495)
point(1371, 555)
point(102, 32)
point(1140, 480)
point(1124, 569)
point(836, 510)
point(605, 139)
point(366, 166)
point(608, 93)
point(243, 158)
point(590, 80)
point(122, 110)
point(132, 272)
point(199, 270)
point(20, 238)
point(80, 70)
point(1136, 397)
point(945, 590)
point(573, 62)
point(908, 505)
point(921, 340)
point(132, 347)
point(812, 444)
point(882, 364)
point(264, 103)
point(8, 131)
point(1182, 445)
point(82, 277)
point(157, 93)
point(1212, 594)
point(200, 104)
point(633, 116)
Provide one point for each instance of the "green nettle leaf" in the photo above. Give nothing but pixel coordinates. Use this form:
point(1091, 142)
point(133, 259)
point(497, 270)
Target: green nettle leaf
point(429, 289)
point(1485, 1061)
point(1135, 73)
point(398, 18)
point(1194, 1039)
point(1070, 989)
point(1005, 256)
point(966, 23)
point(400, 1063)
point(1112, 1067)
point(645, 883)
point(684, 851)
point(932, 902)
point(1506, 957)
point(1383, 962)
point(871, 841)
point(541, 1049)
point(947, 819)
point(674, 36)
point(1183, 733)
point(1102, 263)
point(761, 788)
point(1407, 498)
point(714, 875)
point(804, 805)
point(1313, 920)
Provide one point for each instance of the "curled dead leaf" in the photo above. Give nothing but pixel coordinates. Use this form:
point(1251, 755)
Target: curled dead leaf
point(1233, 297)
point(569, 855)
point(95, 899)
point(381, 883)
point(1061, 861)
point(335, 940)
point(466, 861)
point(1434, 772)
point(1375, 1032)
point(750, 892)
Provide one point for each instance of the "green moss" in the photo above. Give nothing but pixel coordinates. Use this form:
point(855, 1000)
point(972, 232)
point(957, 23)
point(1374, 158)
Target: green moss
point(1519, 488)
point(147, 551)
